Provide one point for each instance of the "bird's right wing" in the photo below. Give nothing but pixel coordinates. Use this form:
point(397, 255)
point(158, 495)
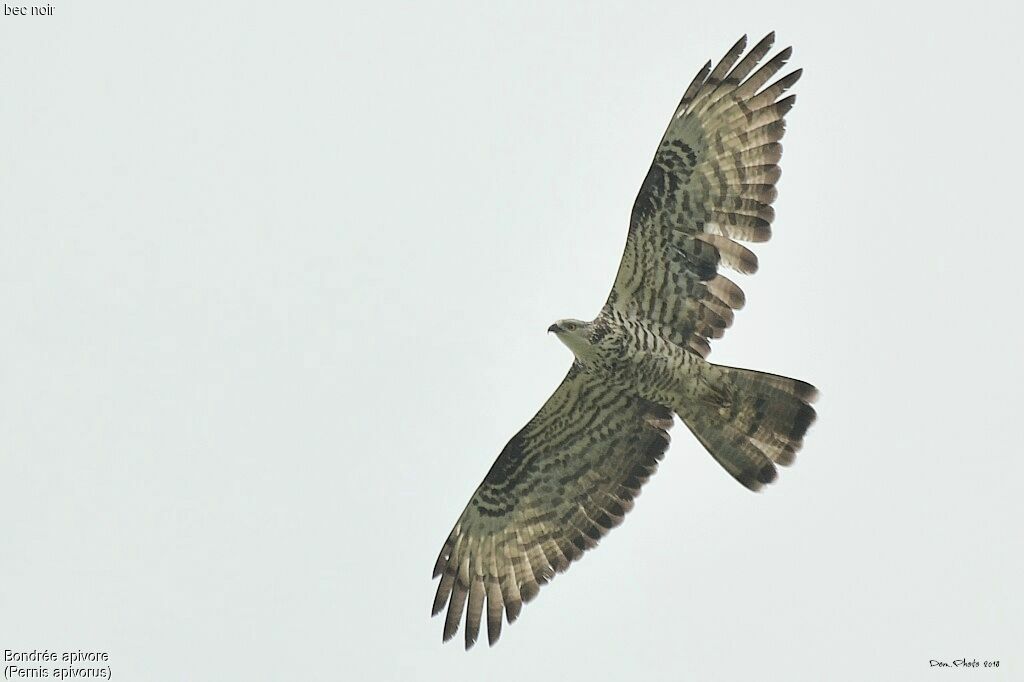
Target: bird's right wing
point(566, 478)
point(710, 186)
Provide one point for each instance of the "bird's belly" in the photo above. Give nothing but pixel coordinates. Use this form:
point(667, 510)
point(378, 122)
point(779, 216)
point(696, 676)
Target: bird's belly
point(653, 374)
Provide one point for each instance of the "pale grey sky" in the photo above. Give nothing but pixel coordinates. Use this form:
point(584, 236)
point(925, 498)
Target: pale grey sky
point(274, 283)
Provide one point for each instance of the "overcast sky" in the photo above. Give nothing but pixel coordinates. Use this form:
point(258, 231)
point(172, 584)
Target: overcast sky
point(274, 285)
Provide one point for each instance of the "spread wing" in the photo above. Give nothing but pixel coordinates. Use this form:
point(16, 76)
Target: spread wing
point(560, 484)
point(710, 187)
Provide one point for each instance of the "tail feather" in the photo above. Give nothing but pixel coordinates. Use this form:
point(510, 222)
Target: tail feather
point(750, 421)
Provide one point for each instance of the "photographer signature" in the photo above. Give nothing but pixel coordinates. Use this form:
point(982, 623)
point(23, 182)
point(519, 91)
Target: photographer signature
point(963, 663)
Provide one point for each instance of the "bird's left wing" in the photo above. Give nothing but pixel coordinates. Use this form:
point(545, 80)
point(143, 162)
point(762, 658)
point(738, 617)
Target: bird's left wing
point(560, 484)
point(710, 187)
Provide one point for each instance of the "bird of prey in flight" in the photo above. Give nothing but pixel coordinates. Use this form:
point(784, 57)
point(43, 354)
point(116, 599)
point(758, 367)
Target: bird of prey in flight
point(573, 471)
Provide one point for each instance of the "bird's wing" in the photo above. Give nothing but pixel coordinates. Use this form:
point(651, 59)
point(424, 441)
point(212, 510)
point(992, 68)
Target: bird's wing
point(560, 484)
point(711, 186)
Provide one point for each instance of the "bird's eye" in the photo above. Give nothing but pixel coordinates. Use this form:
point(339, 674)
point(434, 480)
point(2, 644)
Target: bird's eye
point(569, 326)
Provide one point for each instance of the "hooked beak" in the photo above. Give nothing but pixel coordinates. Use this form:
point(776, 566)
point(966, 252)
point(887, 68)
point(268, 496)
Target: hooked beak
point(554, 328)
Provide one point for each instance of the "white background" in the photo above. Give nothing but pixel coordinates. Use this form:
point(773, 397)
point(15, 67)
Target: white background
point(274, 280)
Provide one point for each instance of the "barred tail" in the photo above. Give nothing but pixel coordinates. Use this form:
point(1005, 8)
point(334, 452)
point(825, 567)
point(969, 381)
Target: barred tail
point(749, 421)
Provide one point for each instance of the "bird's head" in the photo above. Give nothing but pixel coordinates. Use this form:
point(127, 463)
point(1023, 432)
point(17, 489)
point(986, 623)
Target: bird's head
point(575, 334)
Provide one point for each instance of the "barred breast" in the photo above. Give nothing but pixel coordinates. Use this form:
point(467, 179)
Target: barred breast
point(638, 359)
